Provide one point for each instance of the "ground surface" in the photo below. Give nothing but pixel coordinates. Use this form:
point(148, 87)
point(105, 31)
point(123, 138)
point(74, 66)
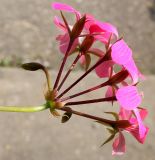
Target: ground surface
point(39, 136)
point(28, 33)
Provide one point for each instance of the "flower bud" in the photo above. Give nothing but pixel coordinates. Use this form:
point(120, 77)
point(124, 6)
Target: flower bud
point(77, 28)
point(87, 43)
point(66, 116)
point(32, 66)
point(119, 77)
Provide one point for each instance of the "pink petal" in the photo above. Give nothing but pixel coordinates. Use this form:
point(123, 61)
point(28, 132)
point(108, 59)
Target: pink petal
point(133, 70)
point(102, 36)
point(119, 145)
point(109, 28)
point(120, 52)
point(62, 6)
point(82, 60)
point(59, 23)
point(89, 21)
point(103, 69)
point(142, 129)
point(125, 114)
point(65, 7)
point(135, 132)
point(128, 97)
point(64, 42)
point(109, 92)
point(143, 113)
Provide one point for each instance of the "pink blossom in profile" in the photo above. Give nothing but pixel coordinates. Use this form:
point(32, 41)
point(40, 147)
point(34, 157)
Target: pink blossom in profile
point(122, 54)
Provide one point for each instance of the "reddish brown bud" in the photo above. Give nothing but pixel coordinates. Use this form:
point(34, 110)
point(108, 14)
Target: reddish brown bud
point(119, 77)
point(77, 28)
point(122, 124)
point(66, 116)
point(32, 66)
point(86, 44)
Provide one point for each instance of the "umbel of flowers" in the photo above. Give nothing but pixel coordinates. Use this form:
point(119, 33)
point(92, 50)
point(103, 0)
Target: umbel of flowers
point(79, 38)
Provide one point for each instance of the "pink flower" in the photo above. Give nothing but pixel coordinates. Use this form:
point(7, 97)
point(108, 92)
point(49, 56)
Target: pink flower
point(92, 26)
point(121, 55)
point(136, 123)
point(137, 129)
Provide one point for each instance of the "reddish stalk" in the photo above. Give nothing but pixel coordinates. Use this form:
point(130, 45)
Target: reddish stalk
point(69, 71)
point(86, 91)
point(84, 75)
point(87, 115)
point(62, 65)
point(119, 123)
point(91, 101)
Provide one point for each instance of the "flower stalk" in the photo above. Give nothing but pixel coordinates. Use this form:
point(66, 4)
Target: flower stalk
point(23, 109)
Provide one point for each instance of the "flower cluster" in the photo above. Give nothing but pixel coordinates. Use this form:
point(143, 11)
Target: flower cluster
point(79, 39)
point(114, 65)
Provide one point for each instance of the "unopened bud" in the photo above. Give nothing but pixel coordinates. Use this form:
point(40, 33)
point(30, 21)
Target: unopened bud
point(86, 44)
point(119, 77)
point(122, 124)
point(32, 66)
point(77, 28)
point(66, 116)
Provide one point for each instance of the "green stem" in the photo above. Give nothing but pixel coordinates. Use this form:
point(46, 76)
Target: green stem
point(23, 109)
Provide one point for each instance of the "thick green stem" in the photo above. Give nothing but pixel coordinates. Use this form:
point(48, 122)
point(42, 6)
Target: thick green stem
point(23, 109)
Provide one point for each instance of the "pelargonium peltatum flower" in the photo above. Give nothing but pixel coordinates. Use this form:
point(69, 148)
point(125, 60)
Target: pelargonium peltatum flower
point(116, 53)
point(115, 65)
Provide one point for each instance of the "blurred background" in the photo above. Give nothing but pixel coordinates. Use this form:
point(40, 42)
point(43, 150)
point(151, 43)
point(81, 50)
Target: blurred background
point(27, 33)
